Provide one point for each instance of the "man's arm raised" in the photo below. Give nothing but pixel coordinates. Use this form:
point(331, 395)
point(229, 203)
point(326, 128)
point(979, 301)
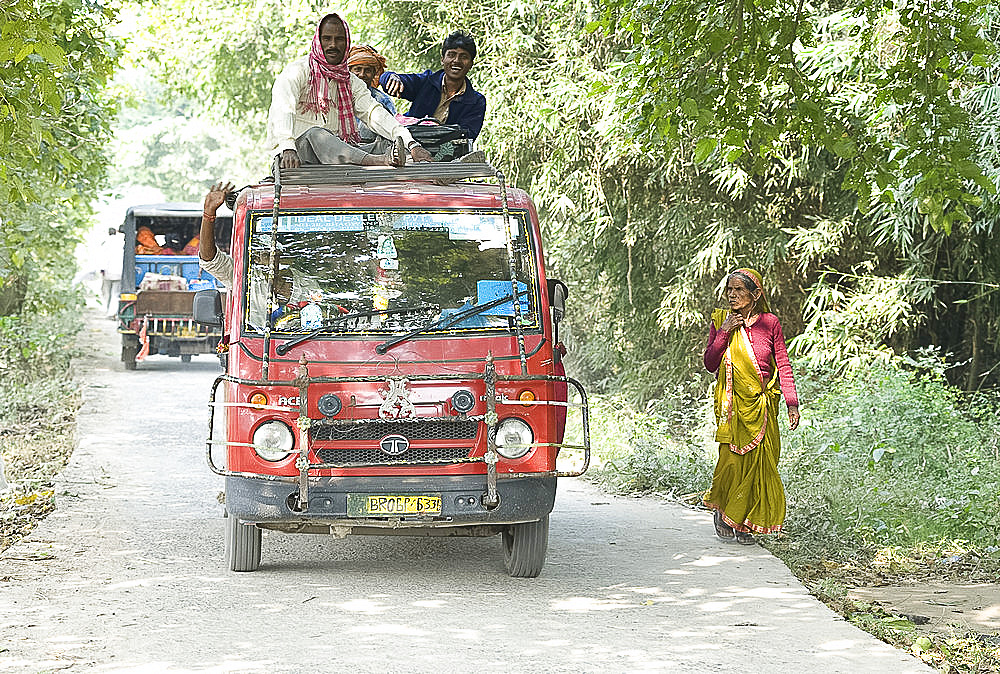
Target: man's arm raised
point(212, 260)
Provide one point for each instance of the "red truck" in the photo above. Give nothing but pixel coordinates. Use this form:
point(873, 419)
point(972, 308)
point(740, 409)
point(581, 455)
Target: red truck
point(393, 362)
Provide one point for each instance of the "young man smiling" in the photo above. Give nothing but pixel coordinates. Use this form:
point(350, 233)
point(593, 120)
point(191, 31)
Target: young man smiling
point(447, 94)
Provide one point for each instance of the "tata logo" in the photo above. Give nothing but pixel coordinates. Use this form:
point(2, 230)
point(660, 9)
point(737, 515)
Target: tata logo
point(394, 445)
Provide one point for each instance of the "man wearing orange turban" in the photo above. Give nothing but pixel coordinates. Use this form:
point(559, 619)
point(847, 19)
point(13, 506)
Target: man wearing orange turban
point(369, 65)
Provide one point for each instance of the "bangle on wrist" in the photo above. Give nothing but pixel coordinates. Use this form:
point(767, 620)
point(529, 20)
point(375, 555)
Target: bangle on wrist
point(207, 216)
point(413, 144)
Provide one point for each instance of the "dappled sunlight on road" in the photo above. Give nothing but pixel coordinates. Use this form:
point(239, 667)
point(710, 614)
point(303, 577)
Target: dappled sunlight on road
point(128, 576)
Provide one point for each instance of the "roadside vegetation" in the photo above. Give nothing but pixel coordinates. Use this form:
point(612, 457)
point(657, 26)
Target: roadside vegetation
point(847, 150)
point(891, 477)
point(38, 404)
point(55, 121)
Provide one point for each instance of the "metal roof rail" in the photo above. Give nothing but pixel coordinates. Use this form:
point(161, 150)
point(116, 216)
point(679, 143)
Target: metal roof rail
point(351, 174)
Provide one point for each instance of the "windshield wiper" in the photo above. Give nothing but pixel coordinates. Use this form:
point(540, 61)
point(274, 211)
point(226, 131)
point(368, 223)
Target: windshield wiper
point(282, 349)
point(446, 322)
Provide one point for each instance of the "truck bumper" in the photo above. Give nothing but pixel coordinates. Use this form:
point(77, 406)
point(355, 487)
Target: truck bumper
point(273, 504)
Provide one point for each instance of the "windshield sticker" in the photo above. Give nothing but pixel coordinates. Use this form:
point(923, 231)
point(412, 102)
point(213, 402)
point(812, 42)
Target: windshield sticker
point(460, 226)
point(437, 222)
point(388, 263)
point(314, 222)
point(386, 248)
point(472, 227)
point(489, 291)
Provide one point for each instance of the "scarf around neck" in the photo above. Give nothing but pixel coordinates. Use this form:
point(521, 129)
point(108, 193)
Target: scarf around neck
point(321, 73)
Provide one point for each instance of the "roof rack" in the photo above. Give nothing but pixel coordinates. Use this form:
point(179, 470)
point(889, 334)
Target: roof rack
point(349, 174)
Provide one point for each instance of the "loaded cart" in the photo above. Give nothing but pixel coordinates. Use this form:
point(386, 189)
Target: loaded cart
point(160, 275)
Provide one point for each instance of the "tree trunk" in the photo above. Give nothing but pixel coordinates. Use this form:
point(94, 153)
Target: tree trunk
point(972, 379)
point(13, 288)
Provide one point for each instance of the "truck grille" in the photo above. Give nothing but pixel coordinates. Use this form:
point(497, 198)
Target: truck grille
point(374, 456)
point(412, 430)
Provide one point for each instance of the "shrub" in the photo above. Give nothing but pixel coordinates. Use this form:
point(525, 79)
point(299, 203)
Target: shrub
point(891, 456)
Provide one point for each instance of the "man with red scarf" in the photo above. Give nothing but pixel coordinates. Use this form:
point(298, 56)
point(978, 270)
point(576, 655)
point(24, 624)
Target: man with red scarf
point(314, 103)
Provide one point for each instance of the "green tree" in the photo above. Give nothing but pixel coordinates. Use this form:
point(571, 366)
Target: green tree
point(164, 141)
point(665, 144)
point(55, 59)
point(740, 78)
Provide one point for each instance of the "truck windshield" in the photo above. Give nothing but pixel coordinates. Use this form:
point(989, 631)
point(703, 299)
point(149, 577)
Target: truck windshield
point(388, 271)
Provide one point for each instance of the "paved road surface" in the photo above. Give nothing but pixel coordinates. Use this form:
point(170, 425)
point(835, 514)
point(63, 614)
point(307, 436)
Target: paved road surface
point(127, 575)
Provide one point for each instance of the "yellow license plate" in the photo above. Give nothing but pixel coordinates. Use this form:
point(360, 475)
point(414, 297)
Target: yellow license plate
point(399, 504)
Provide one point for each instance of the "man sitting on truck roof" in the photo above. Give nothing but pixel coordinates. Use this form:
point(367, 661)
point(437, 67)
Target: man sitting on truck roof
point(369, 65)
point(446, 95)
point(314, 103)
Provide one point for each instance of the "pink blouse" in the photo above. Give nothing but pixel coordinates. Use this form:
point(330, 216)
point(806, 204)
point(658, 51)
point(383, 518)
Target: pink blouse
point(767, 341)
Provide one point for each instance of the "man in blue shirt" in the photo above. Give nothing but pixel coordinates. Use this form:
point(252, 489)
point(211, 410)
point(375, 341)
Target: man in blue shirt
point(446, 95)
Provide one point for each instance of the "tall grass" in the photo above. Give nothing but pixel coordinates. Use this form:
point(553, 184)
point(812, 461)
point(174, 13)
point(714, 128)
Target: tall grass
point(887, 458)
point(38, 403)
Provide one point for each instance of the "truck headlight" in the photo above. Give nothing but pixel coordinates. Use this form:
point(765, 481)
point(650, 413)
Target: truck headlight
point(273, 440)
point(513, 438)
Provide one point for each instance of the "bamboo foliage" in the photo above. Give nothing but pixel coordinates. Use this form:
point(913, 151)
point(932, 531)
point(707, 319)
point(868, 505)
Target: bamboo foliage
point(849, 154)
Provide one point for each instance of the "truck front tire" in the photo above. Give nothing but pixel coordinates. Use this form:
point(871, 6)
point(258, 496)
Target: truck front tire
point(524, 548)
point(243, 543)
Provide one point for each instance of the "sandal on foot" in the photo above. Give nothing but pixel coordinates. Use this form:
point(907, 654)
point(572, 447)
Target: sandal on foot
point(745, 538)
point(474, 157)
point(396, 154)
point(722, 530)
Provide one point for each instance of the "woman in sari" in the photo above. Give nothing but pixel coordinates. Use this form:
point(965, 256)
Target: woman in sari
point(747, 349)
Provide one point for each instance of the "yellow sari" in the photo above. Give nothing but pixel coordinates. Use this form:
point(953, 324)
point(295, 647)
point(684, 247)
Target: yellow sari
point(746, 488)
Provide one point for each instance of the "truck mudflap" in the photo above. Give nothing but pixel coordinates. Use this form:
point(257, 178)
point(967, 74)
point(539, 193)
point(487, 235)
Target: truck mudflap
point(308, 481)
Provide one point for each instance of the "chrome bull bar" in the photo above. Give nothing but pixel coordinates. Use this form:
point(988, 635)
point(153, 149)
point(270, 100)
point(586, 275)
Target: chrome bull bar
point(302, 424)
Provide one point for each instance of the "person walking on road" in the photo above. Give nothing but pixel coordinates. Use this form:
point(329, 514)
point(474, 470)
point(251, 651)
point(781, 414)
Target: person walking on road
point(746, 349)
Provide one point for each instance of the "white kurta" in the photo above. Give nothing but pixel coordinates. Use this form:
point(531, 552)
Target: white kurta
point(288, 119)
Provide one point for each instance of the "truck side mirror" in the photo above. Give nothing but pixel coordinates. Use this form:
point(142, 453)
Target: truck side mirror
point(207, 307)
point(558, 292)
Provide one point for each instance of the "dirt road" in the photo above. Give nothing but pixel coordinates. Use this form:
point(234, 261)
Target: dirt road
point(127, 575)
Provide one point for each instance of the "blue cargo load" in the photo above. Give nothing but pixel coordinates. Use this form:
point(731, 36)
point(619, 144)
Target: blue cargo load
point(185, 266)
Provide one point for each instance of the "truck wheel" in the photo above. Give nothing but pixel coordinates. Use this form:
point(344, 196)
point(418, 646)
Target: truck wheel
point(524, 547)
point(185, 357)
point(130, 347)
point(242, 545)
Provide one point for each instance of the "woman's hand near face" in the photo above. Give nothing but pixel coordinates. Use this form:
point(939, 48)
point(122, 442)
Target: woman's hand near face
point(793, 418)
point(732, 322)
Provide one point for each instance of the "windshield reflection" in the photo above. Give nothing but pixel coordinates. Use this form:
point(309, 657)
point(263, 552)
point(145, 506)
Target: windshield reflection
point(388, 272)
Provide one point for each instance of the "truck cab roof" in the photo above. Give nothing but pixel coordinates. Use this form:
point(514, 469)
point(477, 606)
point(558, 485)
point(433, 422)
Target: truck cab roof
point(441, 185)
